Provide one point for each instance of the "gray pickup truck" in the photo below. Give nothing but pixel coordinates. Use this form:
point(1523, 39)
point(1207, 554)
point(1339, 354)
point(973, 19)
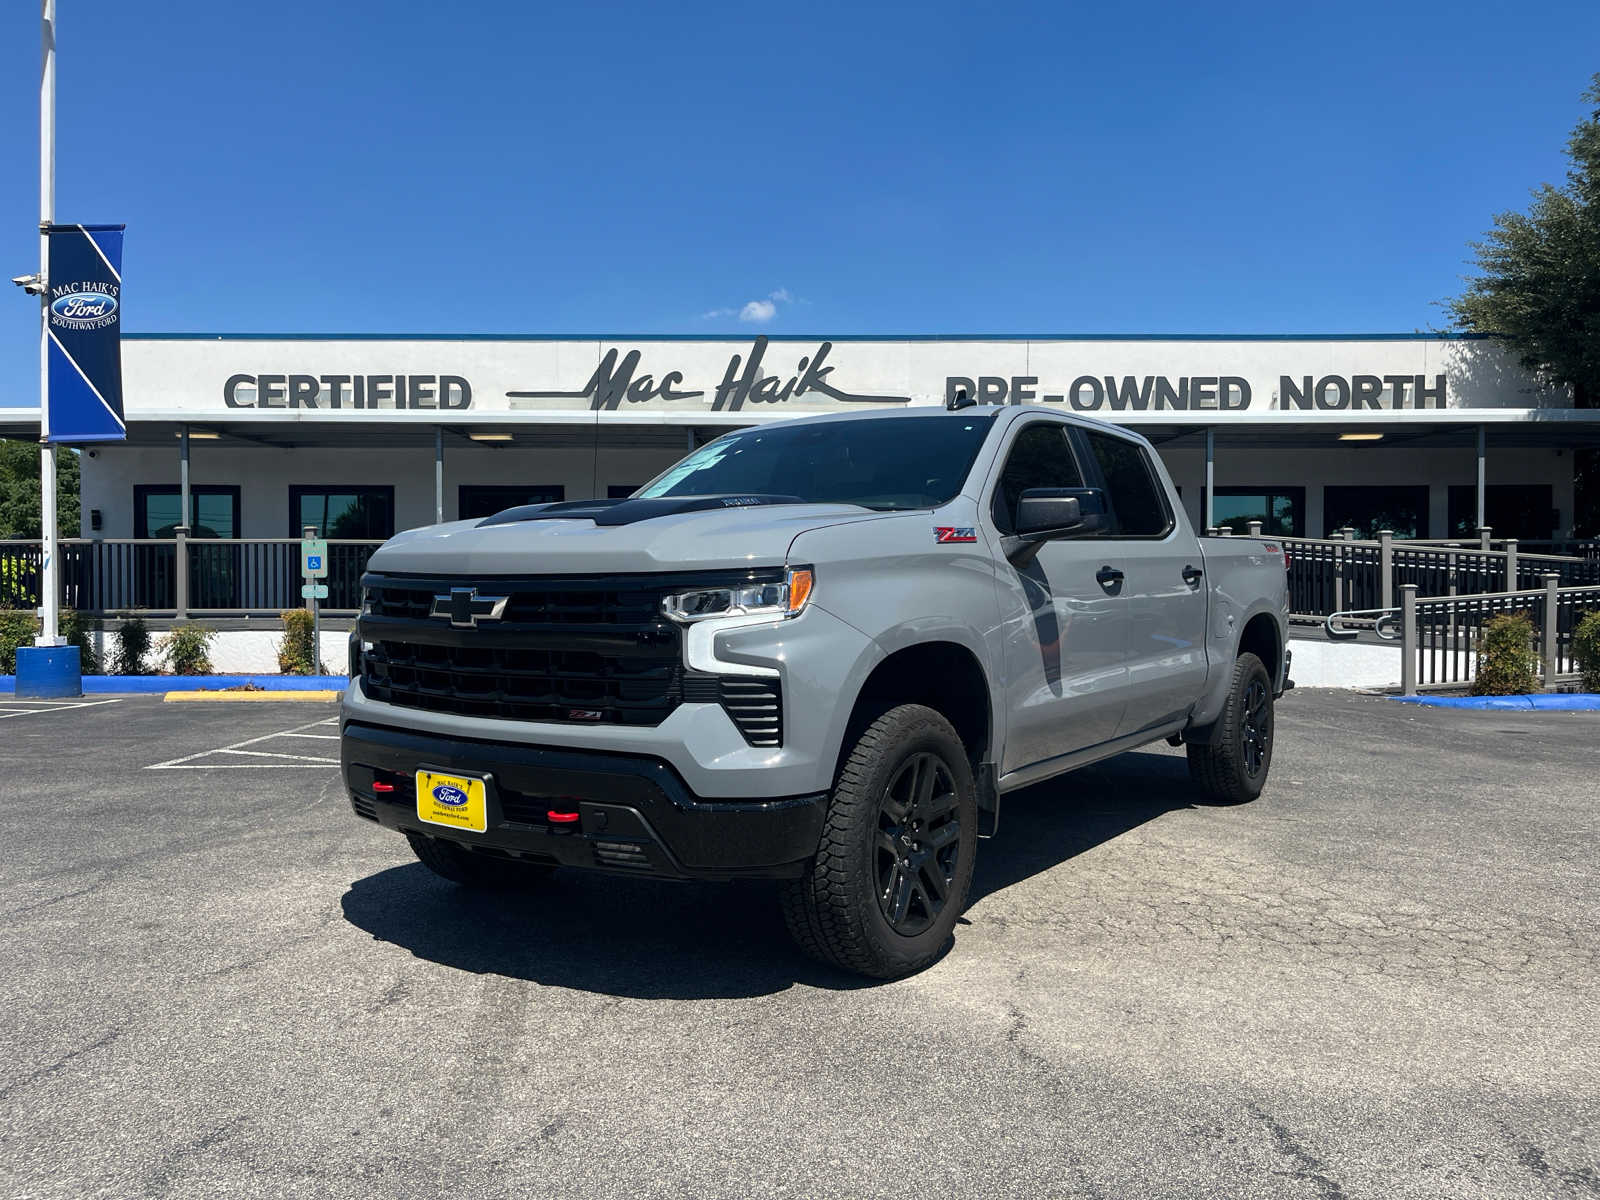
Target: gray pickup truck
point(818, 651)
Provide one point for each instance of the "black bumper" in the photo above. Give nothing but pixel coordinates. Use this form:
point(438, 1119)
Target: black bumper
point(636, 814)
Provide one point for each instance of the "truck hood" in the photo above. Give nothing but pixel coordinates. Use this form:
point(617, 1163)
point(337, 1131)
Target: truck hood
point(558, 544)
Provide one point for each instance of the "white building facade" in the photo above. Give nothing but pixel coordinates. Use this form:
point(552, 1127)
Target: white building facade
point(361, 436)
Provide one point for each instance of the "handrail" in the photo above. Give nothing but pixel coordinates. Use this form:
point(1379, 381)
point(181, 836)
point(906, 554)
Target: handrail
point(1400, 545)
point(1468, 600)
point(1384, 624)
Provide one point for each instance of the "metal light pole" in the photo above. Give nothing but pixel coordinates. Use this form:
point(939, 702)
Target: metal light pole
point(49, 614)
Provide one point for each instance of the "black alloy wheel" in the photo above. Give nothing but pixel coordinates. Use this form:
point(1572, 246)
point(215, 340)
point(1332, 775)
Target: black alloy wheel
point(919, 838)
point(894, 861)
point(1255, 730)
point(1230, 766)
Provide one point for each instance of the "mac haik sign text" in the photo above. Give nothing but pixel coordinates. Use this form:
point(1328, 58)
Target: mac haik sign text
point(441, 379)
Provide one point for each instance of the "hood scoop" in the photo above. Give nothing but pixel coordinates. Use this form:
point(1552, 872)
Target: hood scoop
point(627, 512)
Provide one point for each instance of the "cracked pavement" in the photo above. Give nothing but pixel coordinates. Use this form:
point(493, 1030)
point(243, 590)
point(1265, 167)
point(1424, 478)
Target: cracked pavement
point(1379, 980)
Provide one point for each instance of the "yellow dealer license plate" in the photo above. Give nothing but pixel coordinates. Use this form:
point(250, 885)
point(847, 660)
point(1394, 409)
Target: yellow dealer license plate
point(459, 801)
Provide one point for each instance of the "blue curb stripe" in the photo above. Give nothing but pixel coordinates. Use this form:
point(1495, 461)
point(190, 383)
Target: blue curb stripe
point(113, 684)
point(1545, 701)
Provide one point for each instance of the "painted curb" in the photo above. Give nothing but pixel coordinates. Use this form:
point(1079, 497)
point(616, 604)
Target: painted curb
point(1544, 702)
point(126, 684)
point(278, 696)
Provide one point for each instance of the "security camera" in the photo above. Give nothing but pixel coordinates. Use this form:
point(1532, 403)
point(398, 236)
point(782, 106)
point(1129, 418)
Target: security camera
point(32, 284)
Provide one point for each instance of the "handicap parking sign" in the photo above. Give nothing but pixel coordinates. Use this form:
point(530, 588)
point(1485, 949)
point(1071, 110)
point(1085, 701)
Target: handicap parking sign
point(314, 558)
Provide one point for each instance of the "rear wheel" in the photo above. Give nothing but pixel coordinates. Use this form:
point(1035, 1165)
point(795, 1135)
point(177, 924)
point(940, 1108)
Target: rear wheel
point(471, 869)
point(894, 866)
point(1233, 769)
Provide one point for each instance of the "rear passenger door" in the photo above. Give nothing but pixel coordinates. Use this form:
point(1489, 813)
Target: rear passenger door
point(1065, 633)
point(1164, 584)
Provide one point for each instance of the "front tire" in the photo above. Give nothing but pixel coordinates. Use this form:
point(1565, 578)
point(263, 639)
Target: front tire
point(480, 872)
point(1233, 769)
point(894, 866)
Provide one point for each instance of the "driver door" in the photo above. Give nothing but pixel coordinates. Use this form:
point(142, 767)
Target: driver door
point(1065, 632)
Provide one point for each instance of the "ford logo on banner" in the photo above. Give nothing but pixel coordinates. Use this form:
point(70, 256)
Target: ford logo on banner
point(452, 796)
point(83, 321)
point(84, 306)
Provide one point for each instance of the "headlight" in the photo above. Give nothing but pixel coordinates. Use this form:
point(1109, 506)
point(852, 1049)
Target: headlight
point(785, 599)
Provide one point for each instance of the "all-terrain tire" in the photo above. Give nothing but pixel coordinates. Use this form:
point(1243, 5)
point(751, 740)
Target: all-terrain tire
point(835, 911)
point(1233, 769)
point(470, 869)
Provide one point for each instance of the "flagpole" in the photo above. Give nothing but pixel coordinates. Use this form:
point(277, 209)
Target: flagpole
point(49, 615)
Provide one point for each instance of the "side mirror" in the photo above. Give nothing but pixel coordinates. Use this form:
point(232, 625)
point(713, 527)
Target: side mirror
point(1046, 514)
point(1060, 512)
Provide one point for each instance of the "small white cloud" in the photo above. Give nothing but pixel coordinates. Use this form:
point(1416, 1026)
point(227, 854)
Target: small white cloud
point(757, 312)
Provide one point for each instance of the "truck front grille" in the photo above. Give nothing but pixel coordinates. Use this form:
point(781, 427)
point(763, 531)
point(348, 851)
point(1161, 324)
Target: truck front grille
point(562, 648)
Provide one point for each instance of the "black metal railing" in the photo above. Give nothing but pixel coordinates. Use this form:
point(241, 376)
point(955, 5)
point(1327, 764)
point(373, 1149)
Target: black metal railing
point(1336, 575)
point(181, 577)
point(1440, 636)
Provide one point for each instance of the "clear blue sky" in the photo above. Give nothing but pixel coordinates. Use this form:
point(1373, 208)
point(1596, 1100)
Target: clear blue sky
point(509, 167)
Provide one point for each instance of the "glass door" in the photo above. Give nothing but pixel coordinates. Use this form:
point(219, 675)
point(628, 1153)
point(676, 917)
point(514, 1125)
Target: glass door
point(213, 570)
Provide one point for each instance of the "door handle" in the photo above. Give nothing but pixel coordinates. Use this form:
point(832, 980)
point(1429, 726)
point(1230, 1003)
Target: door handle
point(1109, 578)
point(1192, 575)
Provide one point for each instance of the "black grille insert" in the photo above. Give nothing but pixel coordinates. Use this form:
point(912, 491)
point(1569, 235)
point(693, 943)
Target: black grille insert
point(580, 650)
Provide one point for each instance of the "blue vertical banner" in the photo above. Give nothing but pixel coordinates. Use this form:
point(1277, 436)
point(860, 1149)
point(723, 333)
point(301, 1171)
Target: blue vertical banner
point(84, 323)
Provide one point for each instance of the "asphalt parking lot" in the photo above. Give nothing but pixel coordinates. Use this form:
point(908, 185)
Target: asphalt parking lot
point(1379, 980)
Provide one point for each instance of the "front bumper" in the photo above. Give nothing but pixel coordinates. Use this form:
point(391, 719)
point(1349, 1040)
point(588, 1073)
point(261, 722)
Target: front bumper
point(636, 814)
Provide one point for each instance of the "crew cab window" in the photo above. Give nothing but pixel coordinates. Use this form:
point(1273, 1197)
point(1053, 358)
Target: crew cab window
point(1133, 495)
point(1041, 457)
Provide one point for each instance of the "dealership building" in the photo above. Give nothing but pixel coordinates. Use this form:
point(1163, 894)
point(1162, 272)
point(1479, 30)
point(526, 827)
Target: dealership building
point(1429, 436)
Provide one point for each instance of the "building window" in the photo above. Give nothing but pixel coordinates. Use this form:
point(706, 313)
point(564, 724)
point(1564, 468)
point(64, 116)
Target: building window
point(364, 513)
point(484, 500)
point(1281, 510)
point(1368, 509)
point(1526, 511)
point(213, 510)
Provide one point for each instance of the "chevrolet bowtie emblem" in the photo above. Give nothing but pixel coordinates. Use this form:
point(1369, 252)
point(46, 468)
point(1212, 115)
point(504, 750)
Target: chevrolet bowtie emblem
point(464, 608)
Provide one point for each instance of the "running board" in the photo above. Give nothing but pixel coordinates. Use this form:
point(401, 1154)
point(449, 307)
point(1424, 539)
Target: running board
point(1049, 768)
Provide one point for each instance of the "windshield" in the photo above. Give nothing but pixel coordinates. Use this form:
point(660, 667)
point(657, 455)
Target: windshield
point(888, 462)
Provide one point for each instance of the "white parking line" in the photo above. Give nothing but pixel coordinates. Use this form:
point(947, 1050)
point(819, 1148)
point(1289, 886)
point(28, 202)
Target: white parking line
point(270, 754)
point(197, 761)
point(14, 708)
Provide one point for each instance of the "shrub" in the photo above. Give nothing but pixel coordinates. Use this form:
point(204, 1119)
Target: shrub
point(1586, 649)
point(17, 628)
point(297, 654)
point(187, 649)
point(76, 629)
point(15, 580)
point(133, 643)
point(1507, 662)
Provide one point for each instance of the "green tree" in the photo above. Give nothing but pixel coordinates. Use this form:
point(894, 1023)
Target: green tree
point(19, 490)
point(1538, 287)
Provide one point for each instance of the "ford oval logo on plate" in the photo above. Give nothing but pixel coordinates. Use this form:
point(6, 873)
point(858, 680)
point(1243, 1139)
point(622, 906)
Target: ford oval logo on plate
point(453, 796)
point(84, 306)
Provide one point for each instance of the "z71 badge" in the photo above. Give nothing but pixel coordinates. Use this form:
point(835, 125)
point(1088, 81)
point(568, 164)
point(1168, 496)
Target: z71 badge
point(959, 533)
